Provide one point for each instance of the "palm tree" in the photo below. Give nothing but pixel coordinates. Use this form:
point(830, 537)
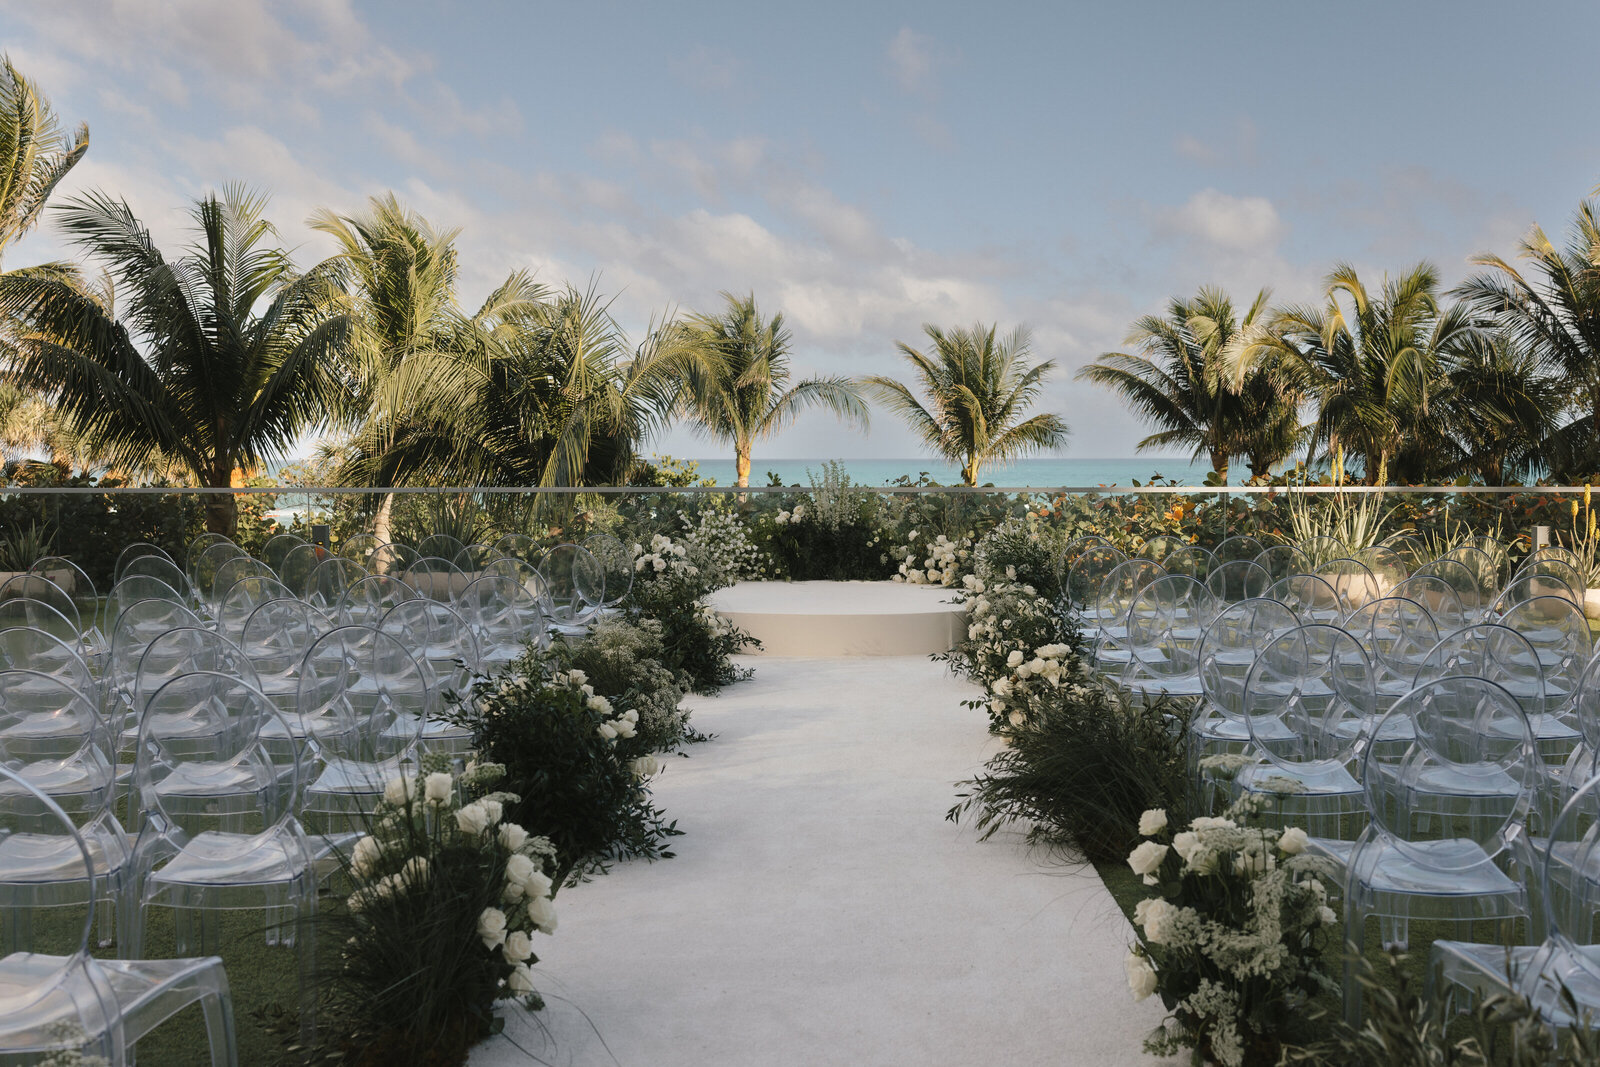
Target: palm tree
point(35, 153)
point(978, 389)
point(1177, 378)
point(1372, 369)
point(738, 392)
point(1553, 313)
point(218, 359)
point(1500, 411)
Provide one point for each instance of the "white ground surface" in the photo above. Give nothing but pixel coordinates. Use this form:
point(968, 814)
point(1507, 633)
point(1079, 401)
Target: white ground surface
point(821, 910)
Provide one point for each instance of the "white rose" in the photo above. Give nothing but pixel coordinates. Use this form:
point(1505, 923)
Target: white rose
point(1293, 841)
point(518, 947)
point(645, 767)
point(538, 884)
point(624, 728)
point(1146, 859)
point(1156, 918)
point(520, 980)
point(473, 819)
point(543, 914)
point(398, 790)
point(366, 855)
point(577, 677)
point(1187, 845)
point(519, 868)
point(512, 836)
point(1014, 660)
point(1326, 916)
point(1152, 822)
point(493, 810)
point(492, 927)
point(607, 731)
point(1141, 976)
point(599, 704)
point(438, 788)
point(660, 564)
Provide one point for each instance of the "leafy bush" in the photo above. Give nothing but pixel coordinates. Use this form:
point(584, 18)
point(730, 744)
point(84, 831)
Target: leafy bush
point(573, 763)
point(671, 582)
point(439, 924)
point(623, 661)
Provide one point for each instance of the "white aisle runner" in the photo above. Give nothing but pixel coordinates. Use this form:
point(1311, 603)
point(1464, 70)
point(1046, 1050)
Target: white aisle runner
point(821, 910)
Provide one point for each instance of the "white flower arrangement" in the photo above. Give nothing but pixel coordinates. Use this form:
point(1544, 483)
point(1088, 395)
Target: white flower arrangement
point(664, 557)
point(937, 562)
point(1233, 940)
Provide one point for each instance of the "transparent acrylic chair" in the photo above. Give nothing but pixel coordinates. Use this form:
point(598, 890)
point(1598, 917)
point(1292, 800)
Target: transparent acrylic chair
point(181, 651)
point(1084, 577)
point(72, 580)
point(25, 648)
point(1557, 552)
point(134, 588)
point(363, 700)
point(1318, 682)
point(1566, 958)
point(204, 567)
point(616, 564)
point(138, 624)
point(1560, 637)
point(220, 827)
point(436, 578)
point(1582, 764)
point(576, 587)
point(326, 587)
point(359, 549)
point(1498, 653)
point(442, 546)
point(1281, 561)
point(137, 550)
point(1397, 634)
point(1109, 607)
point(1072, 550)
point(230, 573)
point(279, 546)
point(299, 564)
point(1225, 655)
point(1388, 566)
point(160, 568)
point(1531, 585)
point(1464, 583)
point(1445, 812)
point(1438, 598)
point(197, 547)
point(1352, 580)
point(275, 639)
point(39, 614)
point(243, 598)
point(1238, 579)
point(1178, 556)
point(53, 738)
point(1240, 548)
point(1166, 620)
point(1310, 596)
point(1412, 551)
point(106, 1004)
point(505, 619)
point(369, 599)
point(448, 645)
point(392, 559)
point(1489, 571)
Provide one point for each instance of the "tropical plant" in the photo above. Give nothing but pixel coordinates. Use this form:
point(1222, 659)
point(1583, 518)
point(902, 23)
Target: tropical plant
point(1552, 312)
point(35, 153)
point(1503, 411)
point(1373, 368)
point(739, 391)
point(1177, 378)
point(978, 388)
point(219, 359)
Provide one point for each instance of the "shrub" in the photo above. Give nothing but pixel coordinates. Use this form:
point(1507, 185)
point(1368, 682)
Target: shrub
point(671, 581)
point(624, 662)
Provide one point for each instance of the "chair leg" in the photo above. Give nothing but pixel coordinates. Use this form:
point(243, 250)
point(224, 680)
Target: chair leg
point(1355, 928)
point(218, 1010)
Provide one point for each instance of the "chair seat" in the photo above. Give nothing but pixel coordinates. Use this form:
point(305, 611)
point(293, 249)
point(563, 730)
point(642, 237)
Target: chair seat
point(1539, 971)
point(219, 858)
point(37, 859)
point(32, 1023)
point(1319, 780)
point(1452, 867)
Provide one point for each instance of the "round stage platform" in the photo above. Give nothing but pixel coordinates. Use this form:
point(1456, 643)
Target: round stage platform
point(824, 619)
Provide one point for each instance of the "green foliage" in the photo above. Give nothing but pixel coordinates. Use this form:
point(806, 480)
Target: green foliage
point(91, 529)
point(574, 784)
point(697, 644)
point(624, 661)
point(25, 547)
point(667, 471)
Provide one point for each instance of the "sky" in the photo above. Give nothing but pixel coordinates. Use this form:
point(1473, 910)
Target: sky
point(865, 169)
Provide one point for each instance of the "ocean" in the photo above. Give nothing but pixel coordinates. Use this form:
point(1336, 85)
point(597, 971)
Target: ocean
point(1031, 473)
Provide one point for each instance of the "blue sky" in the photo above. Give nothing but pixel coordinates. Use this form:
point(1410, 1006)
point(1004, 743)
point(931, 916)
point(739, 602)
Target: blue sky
point(864, 168)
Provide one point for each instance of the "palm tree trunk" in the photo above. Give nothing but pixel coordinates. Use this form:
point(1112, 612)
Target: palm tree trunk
point(741, 464)
point(969, 472)
point(1219, 461)
point(381, 521)
point(222, 510)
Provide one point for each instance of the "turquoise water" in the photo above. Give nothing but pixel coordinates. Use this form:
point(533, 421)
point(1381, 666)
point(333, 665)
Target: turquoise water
point(1033, 473)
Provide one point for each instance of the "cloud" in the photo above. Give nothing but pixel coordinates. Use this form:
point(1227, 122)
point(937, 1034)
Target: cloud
point(1230, 146)
point(1232, 223)
point(914, 59)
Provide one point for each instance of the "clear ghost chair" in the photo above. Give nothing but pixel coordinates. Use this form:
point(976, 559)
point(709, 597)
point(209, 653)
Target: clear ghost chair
point(107, 1005)
point(1165, 623)
point(1463, 582)
point(203, 574)
point(369, 599)
point(521, 572)
point(299, 564)
point(1178, 556)
point(1321, 548)
point(1437, 597)
point(505, 618)
point(1281, 561)
point(1555, 552)
point(231, 572)
point(575, 586)
point(1389, 567)
point(436, 578)
point(275, 639)
point(133, 552)
point(436, 634)
point(135, 588)
point(1087, 572)
point(278, 546)
point(1412, 552)
point(25, 648)
point(441, 546)
point(1226, 653)
point(1352, 580)
point(159, 567)
point(517, 546)
point(41, 615)
point(359, 549)
point(52, 737)
point(1316, 681)
point(474, 557)
point(1397, 634)
point(1582, 765)
point(186, 650)
point(1238, 548)
point(72, 580)
point(138, 624)
point(1073, 549)
point(196, 549)
point(1543, 581)
point(363, 701)
point(1238, 579)
point(616, 562)
point(1560, 637)
point(393, 560)
point(1445, 812)
point(220, 830)
point(328, 583)
point(1311, 596)
point(1485, 570)
point(243, 598)
point(1498, 552)
point(1110, 606)
point(1489, 650)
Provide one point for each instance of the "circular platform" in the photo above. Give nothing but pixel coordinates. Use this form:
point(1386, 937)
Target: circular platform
point(843, 618)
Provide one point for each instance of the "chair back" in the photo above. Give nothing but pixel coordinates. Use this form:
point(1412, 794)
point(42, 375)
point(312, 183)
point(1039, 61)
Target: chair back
point(1229, 647)
point(575, 584)
point(616, 566)
point(1318, 681)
